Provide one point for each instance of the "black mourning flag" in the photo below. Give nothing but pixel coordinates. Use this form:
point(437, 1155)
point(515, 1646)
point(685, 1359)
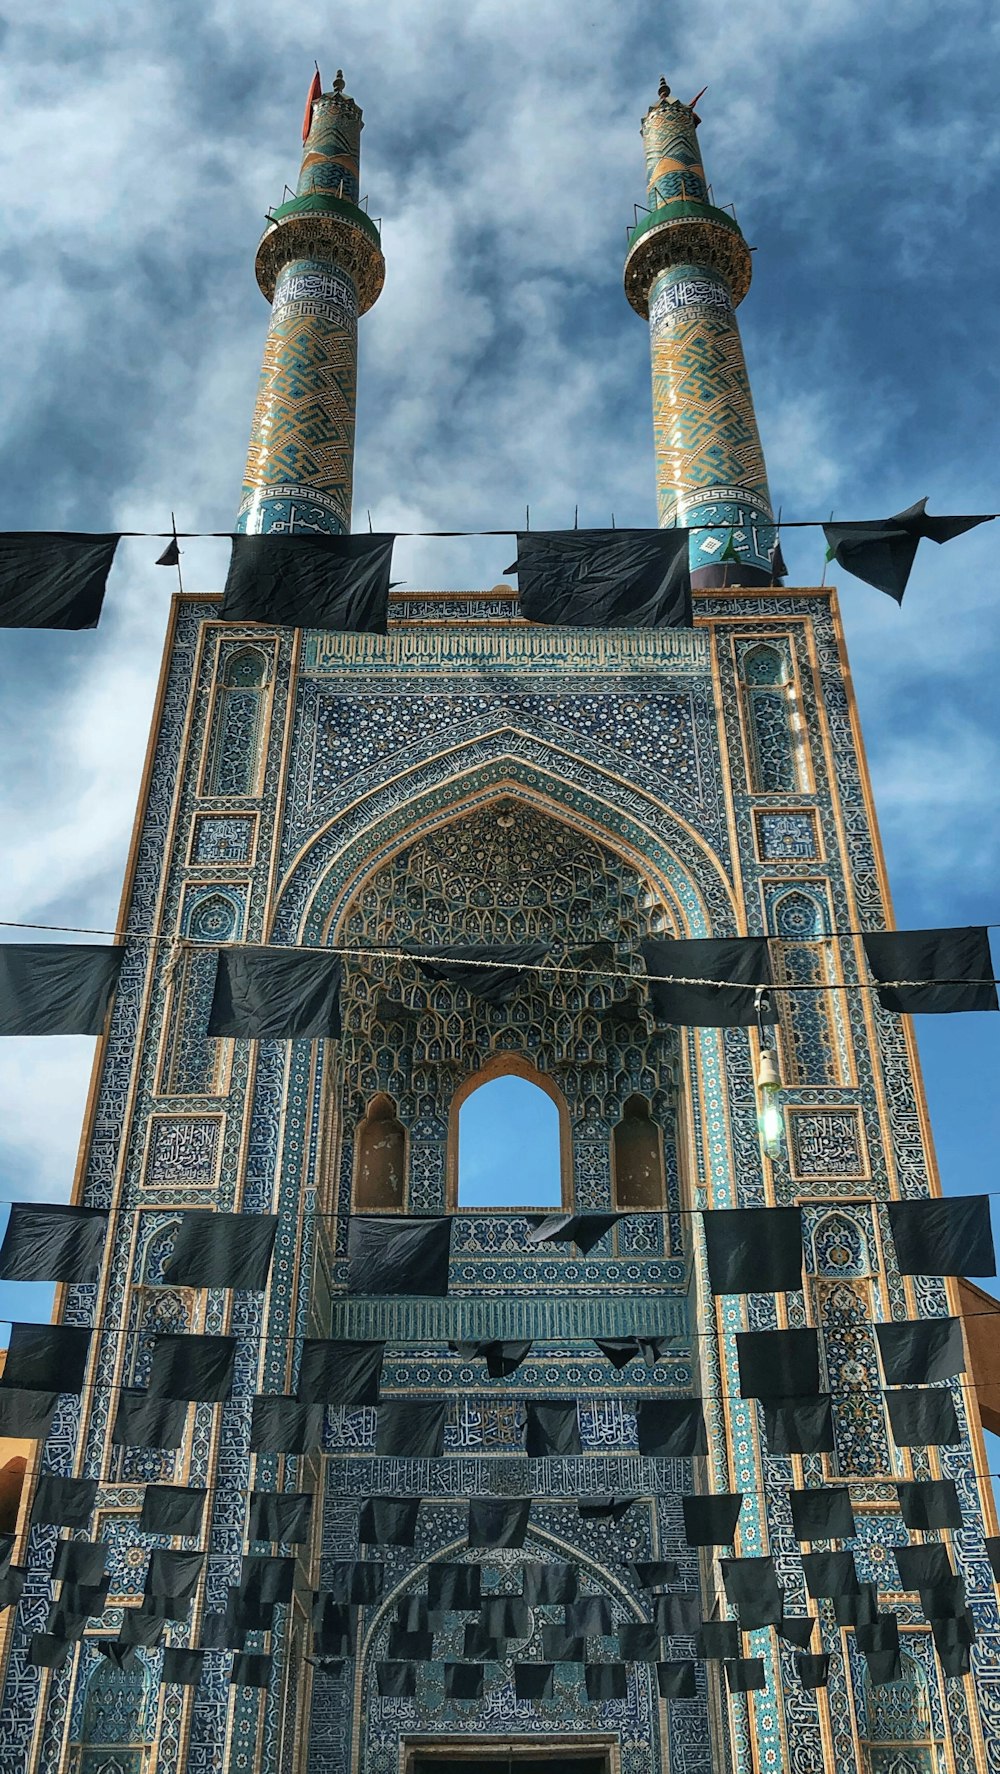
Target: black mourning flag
point(310, 581)
point(718, 1640)
point(495, 1521)
point(221, 1249)
point(504, 1616)
point(251, 1669)
point(993, 1554)
point(744, 1674)
point(606, 1681)
point(752, 1586)
point(410, 1647)
point(711, 1521)
point(743, 961)
point(604, 578)
point(463, 1681)
point(502, 1359)
point(534, 1681)
point(396, 1681)
point(956, 965)
point(945, 1601)
point(11, 1585)
point(331, 1666)
point(655, 1573)
point(281, 1425)
point(822, 1513)
point(47, 1243)
point(69, 1622)
point(267, 1579)
point(388, 1521)
point(47, 1652)
point(950, 1236)
point(454, 1586)
point(26, 1415)
point(956, 1659)
point(920, 1351)
point(276, 994)
point(799, 1425)
point(560, 1646)
point(66, 1502)
point(754, 1249)
point(923, 1567)
point(54, 988)
point(778, 1363)
point(488, 971)
point(582, 1229)
point(479, 1646)
point(618, 1350)
point(193, 1368)
point(930, 1503)
point(122, 1656)
point(858, 1607)
point(830, 1573)
point(336, 1371)
point(413, 1612)
point(173, 1576)
point(284, 1516)
point(6, 1552)
point(398, 1255)
point(923, 1416)
point(145, 1421)
point(589, 1614)
point(604, 1508)
point(411, 1428)
point(54, 578)
point(358, 1581)
point(676, 1680)
point(52, 1357)
point(880, 1634)
point(679, 1615)
point(796, 1629)
point(140, 1629)
point(813, 1671)
point(79, 1561)
point(172, 1509)
point(553, 1428)
point(882, 551)
point(544, 1584)
point(182, 1666)
point(672, 1428)
point(639, 1642)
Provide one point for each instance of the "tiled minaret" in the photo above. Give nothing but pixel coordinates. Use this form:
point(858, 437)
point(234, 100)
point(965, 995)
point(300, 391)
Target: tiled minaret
point(320, 266)
point(687, 270)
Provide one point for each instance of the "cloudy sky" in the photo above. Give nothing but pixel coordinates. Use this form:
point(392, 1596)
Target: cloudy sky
point(502, 366)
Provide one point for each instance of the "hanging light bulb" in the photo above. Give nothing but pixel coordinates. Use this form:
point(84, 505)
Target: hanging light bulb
point(770, 1119)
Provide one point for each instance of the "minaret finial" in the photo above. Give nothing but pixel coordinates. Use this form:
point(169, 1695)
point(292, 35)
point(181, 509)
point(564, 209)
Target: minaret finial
point(339, 83)
point(663, 89)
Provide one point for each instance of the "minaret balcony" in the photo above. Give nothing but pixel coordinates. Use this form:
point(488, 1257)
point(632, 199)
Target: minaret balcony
point(685, 232)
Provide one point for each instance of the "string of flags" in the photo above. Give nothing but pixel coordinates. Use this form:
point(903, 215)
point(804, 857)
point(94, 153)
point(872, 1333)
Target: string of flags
point(633, 578)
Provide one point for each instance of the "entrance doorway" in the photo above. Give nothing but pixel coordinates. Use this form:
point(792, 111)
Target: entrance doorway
point(492, 1759)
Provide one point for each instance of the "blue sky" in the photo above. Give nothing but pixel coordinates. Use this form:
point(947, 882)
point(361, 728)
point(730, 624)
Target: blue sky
point(502, 366)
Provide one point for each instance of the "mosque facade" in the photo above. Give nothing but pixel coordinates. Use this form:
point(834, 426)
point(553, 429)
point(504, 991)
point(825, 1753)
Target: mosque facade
point(475, 778)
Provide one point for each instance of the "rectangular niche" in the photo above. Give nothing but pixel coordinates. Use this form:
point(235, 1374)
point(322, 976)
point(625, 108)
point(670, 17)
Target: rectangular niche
point(787, 836)
point(223, 839)
point(183, 1152)
point(826, 1144)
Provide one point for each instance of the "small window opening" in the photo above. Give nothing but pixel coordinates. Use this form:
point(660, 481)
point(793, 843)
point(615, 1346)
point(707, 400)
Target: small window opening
point(509, 1152)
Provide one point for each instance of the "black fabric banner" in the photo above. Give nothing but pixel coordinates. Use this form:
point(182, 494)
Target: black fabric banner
point(744, 1674)
point(329, 1666)
point(414, 1612)
point(48, 1243)
point(813, 1671)
point(55, 988)
point(398, 1255)
point(711, 1521)
point(64, 1502)
point(882, 551)
point(799, 1425)
point(64, 1622)
point(778, 1364)
point(582, 1229)
point(930, 1503)
point(86, 1600)
point(719, 1640)
point(671, 1428)
point(309, 581)
point(53, 578)
point(412, 1429)
point(79, 1561)
point(142, 1421)
point(558, 1646)
point(945, 1601)
point(192, 1368)
point(797, 1629)
point(6, 1552)
point(956, 1660)
point(388, 1521)
point(182, 1666)
point(604, 1508)
point(410, 1647)
point(498, 1522)
point(534, 1681)
point(251, 1669)
point(604, 578)
point(679, 1615)
point(334, 1370)
point(958, 962)
point(881, 1634)
point(221, 1250)
point(553, 1428)
point(495, 982)
point(544, 1585)
point(356, 1581)
point(743, 959)
point(677, 1680)
point(949, 1236)
point(923, 1416)
point(172, 1509)
point(26, 1415)
point(830, 1573)
point(589, 1614)
point(502, 1359)
point(920, 1351)
point(454, 1586)
point(638, 1642)
point(265, 1578)
point(12, 1585)
point(504, 1616)
point(46, 1652)
point(281, 1425)
point(276, 994)
point(754, 1249)
point(173, 1574)
point(463, 1681)
point(618, 1350)
point(822, 1513)
point(478, 1646)
point(655, 1573)
point(606, 1681)
point(141, 1629)
point(50, 1357)
point(752, 1586)
point(923, 1567)
point(396, 1681)
point(858, 1607)
point(993, 1554)
point(284, 1516)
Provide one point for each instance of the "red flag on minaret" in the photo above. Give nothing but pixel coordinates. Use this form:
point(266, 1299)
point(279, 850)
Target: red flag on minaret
point(314, 92)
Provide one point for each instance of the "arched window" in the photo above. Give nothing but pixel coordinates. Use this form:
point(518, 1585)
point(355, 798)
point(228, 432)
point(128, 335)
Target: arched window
point(380, 1158)
point(194, 1065)
point(898, 1714)
point(237, 724)
point(116, 1715)
point(776, 762)
point(812, 1037)
point(508, 1126)
point(637, 1157)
